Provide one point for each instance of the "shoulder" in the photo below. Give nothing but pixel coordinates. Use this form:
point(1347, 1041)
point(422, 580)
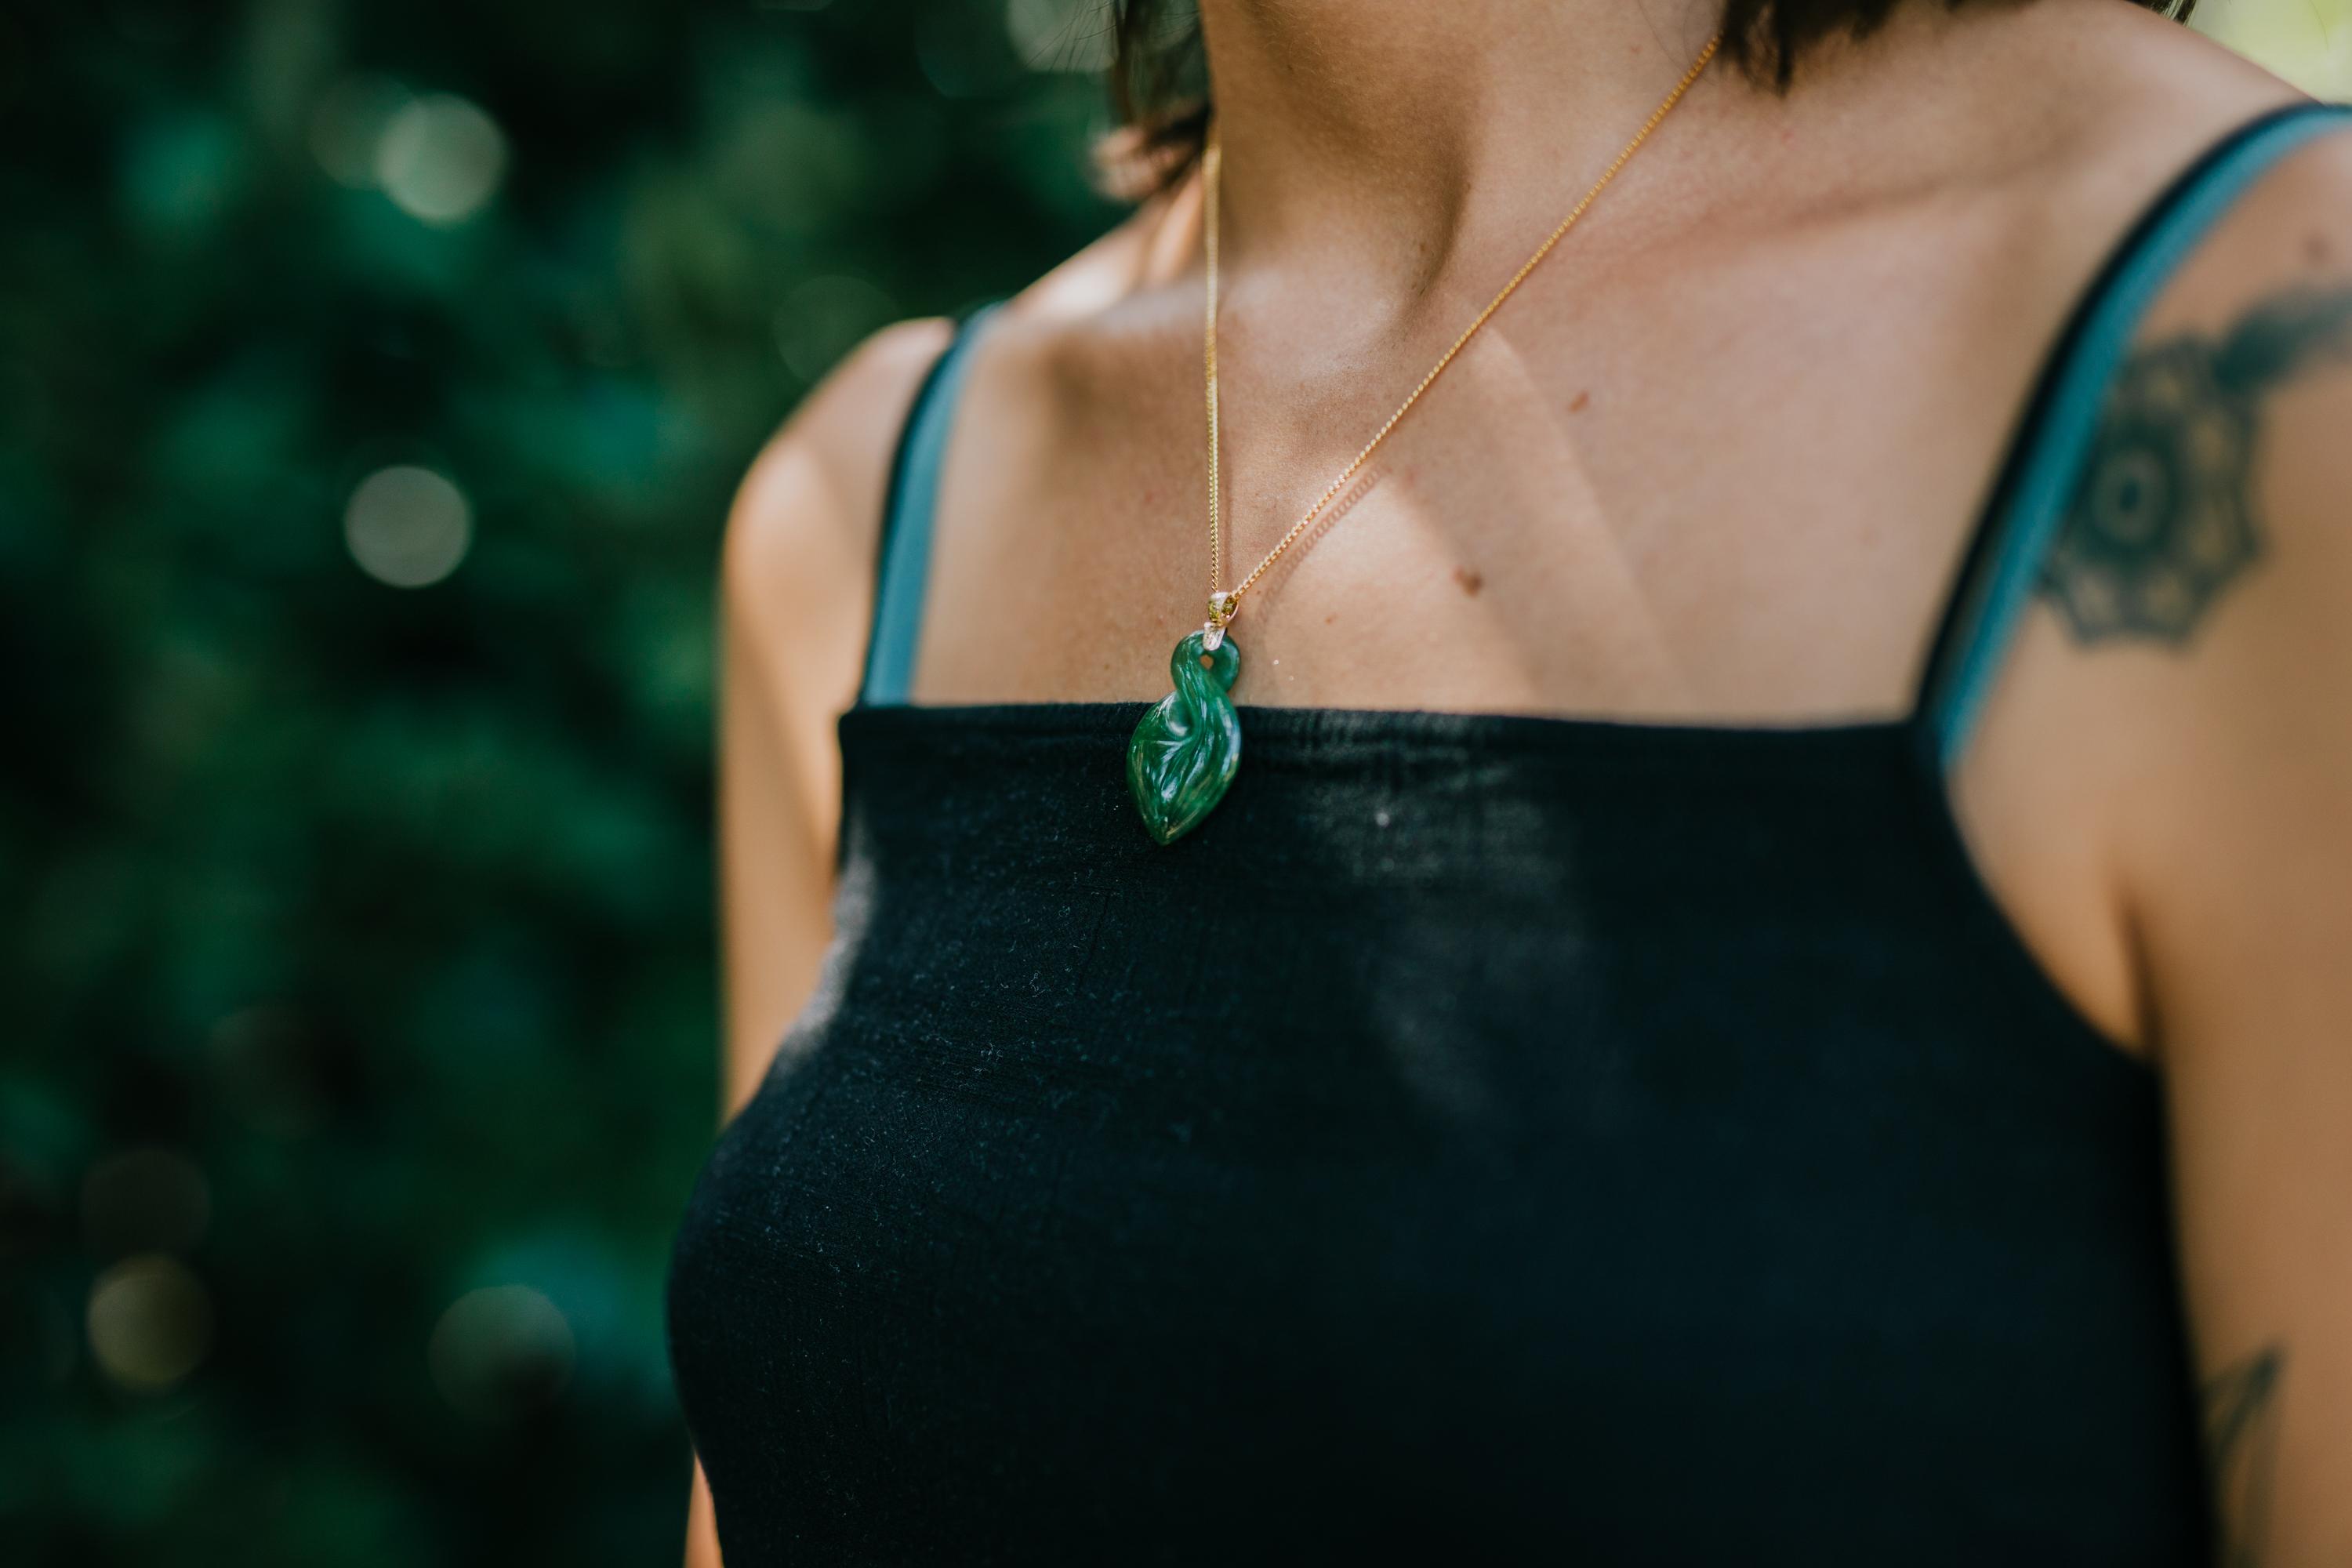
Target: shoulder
point(2293, 221)
point(2064, 119)
point(804, 532)
point(2193, 641)
point(2081, 784)
point(2241, 382)
point(2220, 437)
point(801, 535)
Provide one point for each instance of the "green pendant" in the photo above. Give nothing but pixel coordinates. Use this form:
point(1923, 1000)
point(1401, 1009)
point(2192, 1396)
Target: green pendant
point(1185, 751)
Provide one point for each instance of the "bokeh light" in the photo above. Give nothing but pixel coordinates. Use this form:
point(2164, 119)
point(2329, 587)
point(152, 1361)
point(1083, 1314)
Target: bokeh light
point(500, 1351)
point(441, 158)
point(407, 527)
point(150, 1323)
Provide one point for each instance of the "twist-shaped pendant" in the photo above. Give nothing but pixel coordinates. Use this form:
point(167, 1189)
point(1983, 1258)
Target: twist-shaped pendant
point(1186, 749)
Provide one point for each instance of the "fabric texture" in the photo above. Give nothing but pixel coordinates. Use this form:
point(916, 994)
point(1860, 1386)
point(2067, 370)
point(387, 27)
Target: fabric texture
point(1484, 1136)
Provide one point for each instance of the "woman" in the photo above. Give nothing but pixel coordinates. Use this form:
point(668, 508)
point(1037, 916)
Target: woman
point(1767, 984)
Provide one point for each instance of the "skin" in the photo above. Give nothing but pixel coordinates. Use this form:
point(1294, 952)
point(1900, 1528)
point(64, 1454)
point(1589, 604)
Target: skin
point(1714, 462)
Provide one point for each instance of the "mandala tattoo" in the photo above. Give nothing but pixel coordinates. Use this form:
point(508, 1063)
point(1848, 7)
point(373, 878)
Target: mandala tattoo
point(2240, 1441)
point(2166, 516)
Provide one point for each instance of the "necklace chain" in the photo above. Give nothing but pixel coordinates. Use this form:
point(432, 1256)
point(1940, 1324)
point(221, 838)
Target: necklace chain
point(1223, 602)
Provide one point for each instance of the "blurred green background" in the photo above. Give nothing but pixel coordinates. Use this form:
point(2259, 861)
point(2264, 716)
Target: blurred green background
point(372, 381)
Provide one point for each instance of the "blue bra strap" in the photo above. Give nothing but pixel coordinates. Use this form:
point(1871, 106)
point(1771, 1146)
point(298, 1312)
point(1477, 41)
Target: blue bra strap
point(902, 567)
point(2044, 462)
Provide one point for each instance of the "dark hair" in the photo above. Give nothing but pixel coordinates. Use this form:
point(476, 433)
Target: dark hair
point(1159, 83)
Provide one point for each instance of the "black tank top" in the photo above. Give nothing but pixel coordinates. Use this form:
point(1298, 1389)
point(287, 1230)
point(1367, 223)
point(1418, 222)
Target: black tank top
point(1484, 1136)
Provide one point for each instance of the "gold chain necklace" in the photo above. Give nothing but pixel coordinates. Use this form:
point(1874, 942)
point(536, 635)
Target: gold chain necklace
point(1187, 749)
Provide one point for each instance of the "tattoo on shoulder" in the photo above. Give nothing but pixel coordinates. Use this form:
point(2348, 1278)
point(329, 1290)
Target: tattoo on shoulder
point(2167, 514)
point(2240, 1444)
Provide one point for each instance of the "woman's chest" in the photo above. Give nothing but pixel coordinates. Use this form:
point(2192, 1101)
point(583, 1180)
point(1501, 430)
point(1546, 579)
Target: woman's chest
point(1733, 490)
point(1596, 1188)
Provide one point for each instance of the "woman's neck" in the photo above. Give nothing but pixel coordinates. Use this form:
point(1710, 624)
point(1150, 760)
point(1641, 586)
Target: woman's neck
point(1392, 134)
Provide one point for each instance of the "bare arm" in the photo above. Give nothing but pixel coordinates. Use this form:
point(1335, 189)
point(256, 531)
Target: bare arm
point(2246, 924)
point(796, 585)
point(2203, 590)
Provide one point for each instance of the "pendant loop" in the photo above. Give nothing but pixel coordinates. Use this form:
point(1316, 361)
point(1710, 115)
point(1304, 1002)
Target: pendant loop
point(1220, 616)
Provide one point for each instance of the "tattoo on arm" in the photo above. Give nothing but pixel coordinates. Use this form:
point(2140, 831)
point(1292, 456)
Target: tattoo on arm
point(2166, 514)
point(2241, 1442)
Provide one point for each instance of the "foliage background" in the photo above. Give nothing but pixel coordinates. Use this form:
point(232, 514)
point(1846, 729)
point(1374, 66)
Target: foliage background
point(358, 938)
point(362, 1042)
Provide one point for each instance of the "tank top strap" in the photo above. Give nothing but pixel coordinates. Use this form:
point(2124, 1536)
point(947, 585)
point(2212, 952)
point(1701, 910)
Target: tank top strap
point(902, 565)
point(2038, 476)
